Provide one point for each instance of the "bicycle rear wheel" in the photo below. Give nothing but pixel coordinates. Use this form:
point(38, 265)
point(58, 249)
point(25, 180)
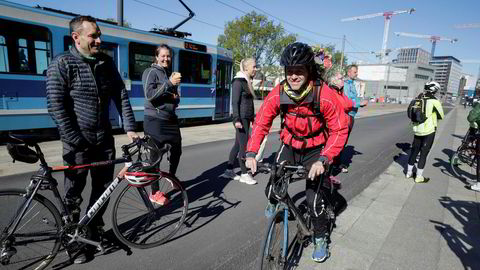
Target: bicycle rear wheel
point(137, 222)
point(272, 251)
point(36, 240)
point(464, 164)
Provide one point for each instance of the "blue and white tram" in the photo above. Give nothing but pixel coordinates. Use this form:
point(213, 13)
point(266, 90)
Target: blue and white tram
point(29, 37)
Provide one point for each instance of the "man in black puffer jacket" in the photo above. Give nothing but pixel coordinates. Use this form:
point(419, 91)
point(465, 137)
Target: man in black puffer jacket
point(80, 84)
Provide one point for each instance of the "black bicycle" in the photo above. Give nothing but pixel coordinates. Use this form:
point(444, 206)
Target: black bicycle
point(277, 250)
point(33, 229)
point(463, 162)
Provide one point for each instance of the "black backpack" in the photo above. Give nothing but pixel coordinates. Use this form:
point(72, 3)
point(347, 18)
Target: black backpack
point(416, 109)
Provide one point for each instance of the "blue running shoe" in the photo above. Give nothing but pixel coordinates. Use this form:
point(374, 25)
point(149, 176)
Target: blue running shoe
point(270, 210)
point(320, 249)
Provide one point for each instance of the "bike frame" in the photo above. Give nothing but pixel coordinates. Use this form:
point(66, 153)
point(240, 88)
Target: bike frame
point(47, 179)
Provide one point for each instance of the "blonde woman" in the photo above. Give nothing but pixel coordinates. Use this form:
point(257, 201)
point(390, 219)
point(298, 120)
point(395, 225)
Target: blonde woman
point(243, 114)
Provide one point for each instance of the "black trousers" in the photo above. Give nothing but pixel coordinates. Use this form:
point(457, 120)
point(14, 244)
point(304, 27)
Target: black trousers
point(238, 149)
point(341, 159)
point(315, 193)
point(75, 181)
point(422, 145)
point(161, 132)
point(175, 153)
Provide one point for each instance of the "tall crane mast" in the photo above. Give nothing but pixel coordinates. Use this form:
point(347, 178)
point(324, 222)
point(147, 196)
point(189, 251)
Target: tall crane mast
point(432, 39)
point(388, 16)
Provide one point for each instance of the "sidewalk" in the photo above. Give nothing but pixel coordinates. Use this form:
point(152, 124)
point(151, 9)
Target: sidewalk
point(397, 224)
point(190, 136)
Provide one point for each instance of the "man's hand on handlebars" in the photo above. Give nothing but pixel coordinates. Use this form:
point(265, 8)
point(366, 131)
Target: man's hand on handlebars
point(251, 163)
point(132, 135)
point(316, 170)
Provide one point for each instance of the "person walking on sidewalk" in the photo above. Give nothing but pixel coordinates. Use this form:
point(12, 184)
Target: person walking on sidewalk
point(424, 133)
point(80, 84)
point(160, 120)
point(314, 130)
point(335, 80)
point(350, 91)
point(474, 120)
point(243, 114)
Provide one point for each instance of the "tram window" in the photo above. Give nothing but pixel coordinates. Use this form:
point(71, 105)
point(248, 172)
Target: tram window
point(42, 57)
point(24, 48)
point(3, 55)
point(141, 57)
point(195, 67)
point(23, 55)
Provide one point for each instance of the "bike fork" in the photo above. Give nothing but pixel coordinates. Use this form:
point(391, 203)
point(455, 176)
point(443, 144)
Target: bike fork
point(285, 232)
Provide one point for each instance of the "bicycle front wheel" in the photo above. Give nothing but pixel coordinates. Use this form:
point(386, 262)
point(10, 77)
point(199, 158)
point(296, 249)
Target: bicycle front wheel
point(272, 251)
point(140, 223)
point(463, 164)
point(35, 241)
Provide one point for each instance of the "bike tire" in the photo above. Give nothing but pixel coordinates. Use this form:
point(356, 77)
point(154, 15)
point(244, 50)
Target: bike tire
point(42, 217)
point(139, 223)
point(463, 164)
point(271, 251)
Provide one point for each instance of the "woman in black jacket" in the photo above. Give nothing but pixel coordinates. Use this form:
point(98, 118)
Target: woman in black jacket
point(243, 114)
point(160, 121)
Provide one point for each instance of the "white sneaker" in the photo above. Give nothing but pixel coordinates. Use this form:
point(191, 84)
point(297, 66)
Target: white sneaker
point(408, 175)
point(236, 178)
point(475, 187)
point(247, 179)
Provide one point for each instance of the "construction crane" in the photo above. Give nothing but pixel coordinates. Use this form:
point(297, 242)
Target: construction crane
point(432, 39)
point(468, 25)
point(388, 16)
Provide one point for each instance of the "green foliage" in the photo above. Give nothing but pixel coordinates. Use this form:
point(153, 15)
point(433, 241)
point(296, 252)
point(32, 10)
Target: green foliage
point(125, 23)
point(253, 35)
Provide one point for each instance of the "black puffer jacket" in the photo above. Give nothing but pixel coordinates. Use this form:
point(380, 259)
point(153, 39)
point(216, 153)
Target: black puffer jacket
point(161, 96)
point(78, 95)
point(242, 101)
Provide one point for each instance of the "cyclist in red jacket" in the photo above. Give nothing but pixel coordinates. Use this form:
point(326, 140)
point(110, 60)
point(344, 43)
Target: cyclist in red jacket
point(314, 131)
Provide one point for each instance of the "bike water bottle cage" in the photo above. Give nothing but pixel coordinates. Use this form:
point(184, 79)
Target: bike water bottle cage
point(22, 153)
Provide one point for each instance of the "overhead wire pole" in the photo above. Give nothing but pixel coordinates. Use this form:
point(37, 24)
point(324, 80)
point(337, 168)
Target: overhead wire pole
point(388, 16)
point(120, 12)
point(343, 51)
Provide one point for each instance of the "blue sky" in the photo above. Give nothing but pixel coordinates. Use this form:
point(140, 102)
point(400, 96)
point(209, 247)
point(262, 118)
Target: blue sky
point(314, 21)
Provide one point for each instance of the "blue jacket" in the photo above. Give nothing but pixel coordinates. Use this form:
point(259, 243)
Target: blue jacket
point(351, 93)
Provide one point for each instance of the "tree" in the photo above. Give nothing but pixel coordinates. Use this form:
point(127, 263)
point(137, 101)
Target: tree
point(125, 23)
point(253, 35)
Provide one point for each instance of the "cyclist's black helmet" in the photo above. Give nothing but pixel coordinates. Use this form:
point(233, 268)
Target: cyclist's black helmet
point(297, 54)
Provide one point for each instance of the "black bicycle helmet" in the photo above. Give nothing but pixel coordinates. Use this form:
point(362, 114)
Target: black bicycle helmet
point(297, 54)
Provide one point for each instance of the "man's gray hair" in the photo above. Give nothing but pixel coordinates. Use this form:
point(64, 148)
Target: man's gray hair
point(76, 23)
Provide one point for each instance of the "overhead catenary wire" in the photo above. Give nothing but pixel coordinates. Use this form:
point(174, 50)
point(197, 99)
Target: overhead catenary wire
point(244, 12)
point(291, 24)
point(178, 14)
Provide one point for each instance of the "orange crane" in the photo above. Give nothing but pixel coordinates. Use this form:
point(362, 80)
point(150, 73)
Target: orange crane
point(432, 39)
point(388, 16)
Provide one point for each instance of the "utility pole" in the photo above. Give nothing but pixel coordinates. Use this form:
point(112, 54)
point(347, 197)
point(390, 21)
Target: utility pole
point(120, 12)
point(343, 51)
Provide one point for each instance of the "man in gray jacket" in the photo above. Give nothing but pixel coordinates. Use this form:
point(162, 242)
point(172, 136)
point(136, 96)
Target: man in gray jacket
point(80, 84)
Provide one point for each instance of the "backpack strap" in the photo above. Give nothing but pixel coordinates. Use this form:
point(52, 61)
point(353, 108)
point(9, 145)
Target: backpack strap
point(315, 107)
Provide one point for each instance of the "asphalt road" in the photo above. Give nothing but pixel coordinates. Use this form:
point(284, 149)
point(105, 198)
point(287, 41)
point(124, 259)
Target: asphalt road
point(225, 222)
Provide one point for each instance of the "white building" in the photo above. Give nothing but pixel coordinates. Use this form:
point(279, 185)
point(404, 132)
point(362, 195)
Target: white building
point(448, 71)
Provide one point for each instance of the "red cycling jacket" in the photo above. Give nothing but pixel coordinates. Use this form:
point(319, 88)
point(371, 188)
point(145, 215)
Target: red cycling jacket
point(330, 107)
point(347, 103)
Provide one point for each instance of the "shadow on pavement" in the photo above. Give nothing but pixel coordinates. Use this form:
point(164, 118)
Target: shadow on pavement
point(464, 242)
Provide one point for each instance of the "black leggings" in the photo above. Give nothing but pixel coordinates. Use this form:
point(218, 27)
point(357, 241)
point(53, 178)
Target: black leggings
point(175, 153)
point(238, 149)
point(314, 192)
point(421, 144)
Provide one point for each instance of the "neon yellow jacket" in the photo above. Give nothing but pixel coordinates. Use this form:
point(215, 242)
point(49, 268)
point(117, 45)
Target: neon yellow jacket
point(433, 112)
